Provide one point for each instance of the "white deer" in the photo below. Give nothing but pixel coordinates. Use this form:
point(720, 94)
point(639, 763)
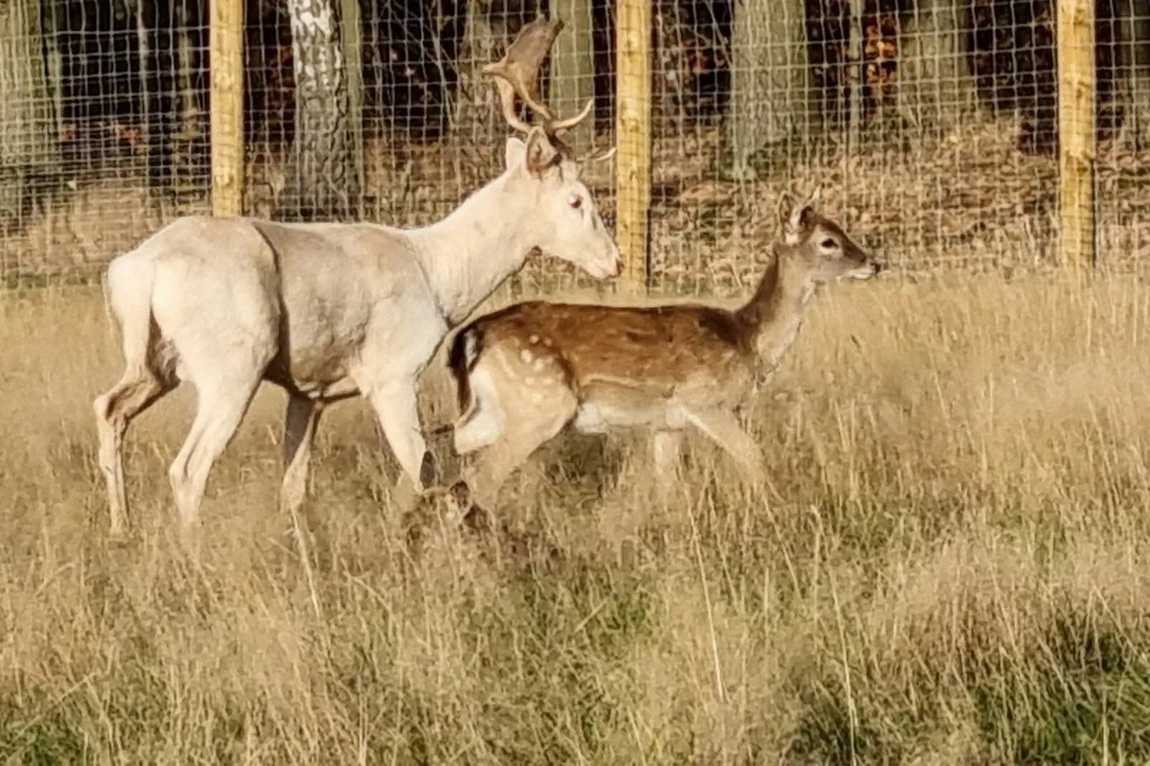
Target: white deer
point(328, 310)
point(527, 371)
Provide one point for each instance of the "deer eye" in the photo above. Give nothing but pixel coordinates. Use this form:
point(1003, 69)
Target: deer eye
point(575, 201)
point(828, 244)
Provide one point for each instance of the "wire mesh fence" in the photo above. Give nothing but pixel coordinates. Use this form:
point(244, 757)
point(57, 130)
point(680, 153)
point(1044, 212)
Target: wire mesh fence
point(931, 125)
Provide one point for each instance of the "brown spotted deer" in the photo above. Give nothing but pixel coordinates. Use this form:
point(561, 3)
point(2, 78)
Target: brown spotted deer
point(331, 310)
point(526, 372)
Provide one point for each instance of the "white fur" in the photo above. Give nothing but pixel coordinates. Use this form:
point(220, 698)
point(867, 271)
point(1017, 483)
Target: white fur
point(324, 310)
point(483, 423)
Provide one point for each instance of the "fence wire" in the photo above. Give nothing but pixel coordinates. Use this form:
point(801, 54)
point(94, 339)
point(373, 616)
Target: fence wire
point(930, 125)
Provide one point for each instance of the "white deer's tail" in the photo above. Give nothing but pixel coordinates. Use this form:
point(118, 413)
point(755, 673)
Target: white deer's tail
point(109, 317)
point(128, 298)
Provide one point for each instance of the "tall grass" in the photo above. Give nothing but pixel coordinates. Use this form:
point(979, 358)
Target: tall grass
point(948, 564)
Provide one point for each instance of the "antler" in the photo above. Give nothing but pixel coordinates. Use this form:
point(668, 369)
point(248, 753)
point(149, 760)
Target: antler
point(517, 74)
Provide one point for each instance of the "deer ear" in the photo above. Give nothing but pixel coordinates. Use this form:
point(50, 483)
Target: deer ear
point(513, 152)
point(798, 223)
point(785, 206)
point(540, 153)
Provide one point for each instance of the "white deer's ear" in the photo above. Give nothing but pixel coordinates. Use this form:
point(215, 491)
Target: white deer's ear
point(513, 152)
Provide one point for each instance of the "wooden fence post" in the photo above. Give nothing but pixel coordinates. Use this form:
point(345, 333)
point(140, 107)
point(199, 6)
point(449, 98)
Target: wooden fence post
point(227, 115)
point(1076, 135)
point(633, 138)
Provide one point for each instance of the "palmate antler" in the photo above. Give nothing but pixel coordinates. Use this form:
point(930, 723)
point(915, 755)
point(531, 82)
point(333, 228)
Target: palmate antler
point(517, 74)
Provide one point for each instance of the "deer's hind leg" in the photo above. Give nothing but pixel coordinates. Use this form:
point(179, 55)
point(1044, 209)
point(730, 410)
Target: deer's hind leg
point(137, 389)
point(539, 414)
point(220, 409)
point(300, 422)
point(225, 381)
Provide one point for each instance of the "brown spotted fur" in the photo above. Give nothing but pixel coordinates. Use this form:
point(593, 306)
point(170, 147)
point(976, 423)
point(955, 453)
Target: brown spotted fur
point(662, 367)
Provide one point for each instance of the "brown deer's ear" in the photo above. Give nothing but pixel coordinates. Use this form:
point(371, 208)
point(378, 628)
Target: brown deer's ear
point(797, 224)
point(783, 210)
point(799, 221)
point(540, 154)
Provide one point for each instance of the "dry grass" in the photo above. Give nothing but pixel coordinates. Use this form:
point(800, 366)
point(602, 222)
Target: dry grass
point(949, 565)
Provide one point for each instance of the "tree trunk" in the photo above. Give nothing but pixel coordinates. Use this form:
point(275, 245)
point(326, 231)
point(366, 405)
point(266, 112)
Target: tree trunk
point(189, 85)
point(1134, 60)
point(54, 23)
point(936, 87)
point(28, 133)
point(322, 179)
point(769, 78)
point(352, 30)
point(476, 117)
point(573, 67)
point(853, 69)
point(154, 51)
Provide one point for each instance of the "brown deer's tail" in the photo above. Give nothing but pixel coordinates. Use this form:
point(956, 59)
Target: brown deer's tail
point(464, 352)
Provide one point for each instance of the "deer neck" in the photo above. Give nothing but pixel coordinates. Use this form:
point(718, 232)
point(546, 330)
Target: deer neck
point(774, 315)
point(471, 251)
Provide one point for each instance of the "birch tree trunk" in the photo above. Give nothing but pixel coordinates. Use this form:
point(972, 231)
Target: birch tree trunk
point(323, 179)
point(769, 78)
point(475, 119)
point(936, 87)
point(1134, 59)
point(189, 86)
point(573, 67)
point(154, 51)
point(28, 129)
point(853, 69)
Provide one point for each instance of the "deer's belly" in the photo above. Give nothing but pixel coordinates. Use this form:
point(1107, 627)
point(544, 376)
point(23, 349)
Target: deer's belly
point(607, 406)
point(617, 408)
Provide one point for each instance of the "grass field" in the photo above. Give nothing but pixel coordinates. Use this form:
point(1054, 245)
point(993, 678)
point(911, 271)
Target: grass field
point(948, 565)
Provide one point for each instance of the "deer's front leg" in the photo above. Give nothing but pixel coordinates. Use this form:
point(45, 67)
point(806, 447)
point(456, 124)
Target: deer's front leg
point(397, 407)
point(723, 428)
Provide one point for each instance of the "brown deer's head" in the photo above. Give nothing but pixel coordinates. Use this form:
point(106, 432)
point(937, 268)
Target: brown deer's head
point(825, 250)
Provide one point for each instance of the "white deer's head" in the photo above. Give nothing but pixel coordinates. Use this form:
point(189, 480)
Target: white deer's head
point(565, 221)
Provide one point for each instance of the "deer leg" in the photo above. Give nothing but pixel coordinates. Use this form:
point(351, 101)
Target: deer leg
point(482, 424)
point(397, 408)
point(220, 409)
point(666, 451)
point(724, 430)
point(300, 423)
point(525, 431)
point(137, 390)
